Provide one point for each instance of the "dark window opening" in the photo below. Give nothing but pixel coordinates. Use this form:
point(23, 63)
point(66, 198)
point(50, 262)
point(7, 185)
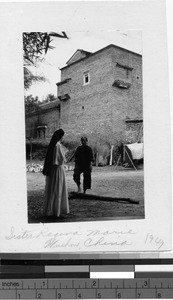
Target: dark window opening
point(86, 78)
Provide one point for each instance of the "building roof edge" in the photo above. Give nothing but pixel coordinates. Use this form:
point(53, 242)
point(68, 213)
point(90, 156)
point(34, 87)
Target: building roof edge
point(100, 50)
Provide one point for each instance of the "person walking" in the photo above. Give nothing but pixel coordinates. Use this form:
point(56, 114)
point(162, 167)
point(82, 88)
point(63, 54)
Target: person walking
point(83, 164)
point(56, 195)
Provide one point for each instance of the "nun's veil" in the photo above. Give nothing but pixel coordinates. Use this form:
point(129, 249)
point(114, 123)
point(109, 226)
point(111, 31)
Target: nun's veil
point(58, 134)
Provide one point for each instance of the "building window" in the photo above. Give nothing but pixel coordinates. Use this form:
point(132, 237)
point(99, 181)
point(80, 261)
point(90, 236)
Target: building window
point(86, 78)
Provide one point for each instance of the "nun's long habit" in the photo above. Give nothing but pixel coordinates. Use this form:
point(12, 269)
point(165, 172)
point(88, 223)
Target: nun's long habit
point(56, 196)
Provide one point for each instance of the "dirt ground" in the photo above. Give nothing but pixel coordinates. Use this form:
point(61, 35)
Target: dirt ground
point(106, 181)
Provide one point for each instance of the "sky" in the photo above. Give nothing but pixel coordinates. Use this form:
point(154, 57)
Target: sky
point(91, 41)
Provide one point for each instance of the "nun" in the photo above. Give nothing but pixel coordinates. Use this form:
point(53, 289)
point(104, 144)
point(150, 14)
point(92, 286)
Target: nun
point(56, 196)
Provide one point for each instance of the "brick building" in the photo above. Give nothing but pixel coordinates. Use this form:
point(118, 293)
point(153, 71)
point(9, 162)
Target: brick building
point(40, 124)
point(99, 95)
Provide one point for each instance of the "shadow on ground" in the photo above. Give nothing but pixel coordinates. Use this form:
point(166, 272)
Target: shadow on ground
point(86, 208)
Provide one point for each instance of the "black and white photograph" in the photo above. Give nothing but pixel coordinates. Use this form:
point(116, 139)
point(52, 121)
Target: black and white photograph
point(84, 125)
point(85, 128)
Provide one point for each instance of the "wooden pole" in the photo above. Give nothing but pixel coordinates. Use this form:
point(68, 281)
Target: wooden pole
point(118, 160)
point(131, 161)
point(97, 159)
point(30, 150)
point(110, 163)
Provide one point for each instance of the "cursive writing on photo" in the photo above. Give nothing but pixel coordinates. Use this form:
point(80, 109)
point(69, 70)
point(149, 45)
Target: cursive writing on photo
point(110, 232)
point(89, 239)
point(54, 243)
point(25, 234)
point(103, 242)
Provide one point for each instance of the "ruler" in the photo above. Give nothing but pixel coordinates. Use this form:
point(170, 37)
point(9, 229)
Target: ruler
point(86, 288)
point(86, 279)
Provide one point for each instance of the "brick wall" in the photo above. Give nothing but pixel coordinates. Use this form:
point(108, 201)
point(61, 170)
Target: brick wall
point(99, 109)
point(134, 132)
point(51, 119)
point(48, 117)
point(31, 123)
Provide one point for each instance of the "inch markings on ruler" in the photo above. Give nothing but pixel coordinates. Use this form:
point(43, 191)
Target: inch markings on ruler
point(136, 288)
point(58, 280)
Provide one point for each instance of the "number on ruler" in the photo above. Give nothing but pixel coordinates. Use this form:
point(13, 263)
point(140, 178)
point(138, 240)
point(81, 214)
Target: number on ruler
point(59, 296)
point(94, 283)
point(99, 295)
point(18, 296)
point(39, 296)
point(159, 295)
point(119, 295)
point(145, 283)
point(79, 295)
point(139, 295)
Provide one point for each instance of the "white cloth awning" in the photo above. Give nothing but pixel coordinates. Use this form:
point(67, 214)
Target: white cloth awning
point(137, 150)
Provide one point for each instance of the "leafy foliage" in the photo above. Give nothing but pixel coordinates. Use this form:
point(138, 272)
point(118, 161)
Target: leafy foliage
point(36, 44)
point(29, 78)
point(49, 98)
point(31, 104)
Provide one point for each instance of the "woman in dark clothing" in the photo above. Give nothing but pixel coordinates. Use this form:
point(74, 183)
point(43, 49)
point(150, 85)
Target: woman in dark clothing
point(83, 164)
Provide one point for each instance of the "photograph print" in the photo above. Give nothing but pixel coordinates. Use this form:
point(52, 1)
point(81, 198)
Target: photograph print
point(83, 95)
